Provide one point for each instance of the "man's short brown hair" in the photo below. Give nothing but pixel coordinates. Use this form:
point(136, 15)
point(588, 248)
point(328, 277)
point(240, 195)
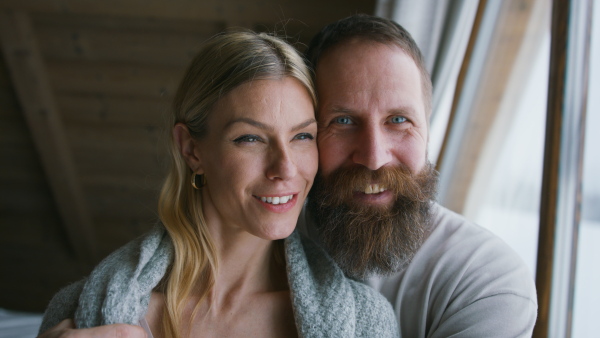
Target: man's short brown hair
point(370, 28)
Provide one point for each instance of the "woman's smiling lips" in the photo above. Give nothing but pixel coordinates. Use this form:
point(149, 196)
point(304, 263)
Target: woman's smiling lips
point(279, 203)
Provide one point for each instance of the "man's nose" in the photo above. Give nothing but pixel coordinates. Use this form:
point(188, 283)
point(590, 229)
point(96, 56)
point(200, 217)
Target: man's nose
point(372, 148)
point(282, 165)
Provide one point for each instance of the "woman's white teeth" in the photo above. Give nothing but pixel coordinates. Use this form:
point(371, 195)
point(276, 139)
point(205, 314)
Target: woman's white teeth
point(374, 189)
point(277, 200)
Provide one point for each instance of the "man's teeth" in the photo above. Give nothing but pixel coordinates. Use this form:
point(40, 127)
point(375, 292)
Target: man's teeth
point(374, 189)
point(277, 200)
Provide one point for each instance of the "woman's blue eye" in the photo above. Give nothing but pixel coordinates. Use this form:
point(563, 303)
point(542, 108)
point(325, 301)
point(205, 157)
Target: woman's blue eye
point(343, 120)
point(247, 138)
point(304, 136)
point(398, 119)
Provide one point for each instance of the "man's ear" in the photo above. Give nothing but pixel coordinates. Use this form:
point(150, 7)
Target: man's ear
point(188, 147)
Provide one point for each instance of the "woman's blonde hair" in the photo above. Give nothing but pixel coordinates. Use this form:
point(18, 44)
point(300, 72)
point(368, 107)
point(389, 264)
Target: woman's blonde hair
point(226, 61)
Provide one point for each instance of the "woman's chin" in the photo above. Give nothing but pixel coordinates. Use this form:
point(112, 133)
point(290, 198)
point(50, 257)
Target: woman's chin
point(277, 232)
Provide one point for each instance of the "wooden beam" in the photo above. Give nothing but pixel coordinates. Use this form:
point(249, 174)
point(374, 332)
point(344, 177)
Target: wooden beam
point(549, 198)
point(37, 102)
point(560, 205)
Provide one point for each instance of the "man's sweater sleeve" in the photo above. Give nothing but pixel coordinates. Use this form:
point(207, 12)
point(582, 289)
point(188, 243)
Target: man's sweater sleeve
point(501, 315)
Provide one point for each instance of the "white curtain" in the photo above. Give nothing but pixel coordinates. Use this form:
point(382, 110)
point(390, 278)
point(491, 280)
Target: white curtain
point(441, 29)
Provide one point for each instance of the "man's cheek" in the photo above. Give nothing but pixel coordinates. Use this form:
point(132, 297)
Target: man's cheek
point(330, 156)
point(412, 155)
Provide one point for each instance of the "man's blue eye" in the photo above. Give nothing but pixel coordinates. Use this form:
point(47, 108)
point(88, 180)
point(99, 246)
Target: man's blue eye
point(343, 120)
point(398, 119)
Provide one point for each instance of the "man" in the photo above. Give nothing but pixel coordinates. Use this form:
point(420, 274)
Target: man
point(372, 203)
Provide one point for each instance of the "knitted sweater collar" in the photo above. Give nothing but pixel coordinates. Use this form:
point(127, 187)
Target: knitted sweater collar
point(119, 288)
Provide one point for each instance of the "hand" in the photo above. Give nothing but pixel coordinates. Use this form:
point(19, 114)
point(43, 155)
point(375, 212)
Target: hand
point(66, 329)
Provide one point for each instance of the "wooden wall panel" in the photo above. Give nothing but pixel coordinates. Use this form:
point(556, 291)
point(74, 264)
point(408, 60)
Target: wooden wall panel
point(109, 111)
point(113, 68)
point(140, 41)
point(232, 12)
point(124, 80)
point(35, 258)
point(32, 88)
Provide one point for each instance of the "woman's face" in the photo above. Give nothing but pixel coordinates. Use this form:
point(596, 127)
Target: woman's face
point(259, 157)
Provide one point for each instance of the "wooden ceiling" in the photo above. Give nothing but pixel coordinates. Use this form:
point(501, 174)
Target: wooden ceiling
point(84, 89)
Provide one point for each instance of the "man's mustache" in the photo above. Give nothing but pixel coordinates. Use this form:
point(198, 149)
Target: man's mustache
point(344, 182)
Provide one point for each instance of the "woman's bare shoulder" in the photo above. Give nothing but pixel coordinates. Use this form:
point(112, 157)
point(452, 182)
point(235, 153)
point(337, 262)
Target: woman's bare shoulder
point(154, 314)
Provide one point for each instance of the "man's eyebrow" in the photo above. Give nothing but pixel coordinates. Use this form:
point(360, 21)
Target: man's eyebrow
point(263, 126)
point(340, 109)
point(403, 110)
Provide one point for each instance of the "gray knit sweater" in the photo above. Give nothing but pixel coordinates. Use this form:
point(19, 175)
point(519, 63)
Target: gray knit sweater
point(326, 304)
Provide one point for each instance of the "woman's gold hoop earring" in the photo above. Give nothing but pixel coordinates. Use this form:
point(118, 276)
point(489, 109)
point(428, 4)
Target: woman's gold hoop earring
point(194, 181)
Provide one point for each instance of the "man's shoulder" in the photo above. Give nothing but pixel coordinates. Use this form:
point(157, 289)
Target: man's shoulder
point(457, 248)
point(461, 271)
point(447, 222)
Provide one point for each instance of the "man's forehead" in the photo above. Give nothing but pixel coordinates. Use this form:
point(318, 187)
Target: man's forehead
point(365, 65)
point(367, 70)
point(357, 51)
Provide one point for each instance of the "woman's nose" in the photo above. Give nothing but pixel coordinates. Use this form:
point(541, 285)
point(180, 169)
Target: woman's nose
point(282, 165)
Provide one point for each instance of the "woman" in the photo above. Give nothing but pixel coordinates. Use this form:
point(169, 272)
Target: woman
point(244, 159)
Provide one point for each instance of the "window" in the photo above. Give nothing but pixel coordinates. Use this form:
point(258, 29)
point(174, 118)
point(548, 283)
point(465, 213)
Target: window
point(587, 294)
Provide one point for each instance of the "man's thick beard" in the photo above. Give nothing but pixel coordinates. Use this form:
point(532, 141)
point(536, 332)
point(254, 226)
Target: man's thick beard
point(370, 240)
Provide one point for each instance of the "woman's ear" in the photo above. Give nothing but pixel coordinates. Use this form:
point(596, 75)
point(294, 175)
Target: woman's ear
point(188, 147)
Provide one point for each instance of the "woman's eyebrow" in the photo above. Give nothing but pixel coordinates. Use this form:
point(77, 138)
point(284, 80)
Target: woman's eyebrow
point(267, 127)
point(304, 124)
point(250, 122)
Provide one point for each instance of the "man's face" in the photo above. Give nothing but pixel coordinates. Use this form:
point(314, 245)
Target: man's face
point(371, 110)
point(372, 196)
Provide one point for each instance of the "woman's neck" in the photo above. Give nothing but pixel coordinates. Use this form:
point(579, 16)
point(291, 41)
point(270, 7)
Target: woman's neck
point(247, 261)
point(246, 264)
